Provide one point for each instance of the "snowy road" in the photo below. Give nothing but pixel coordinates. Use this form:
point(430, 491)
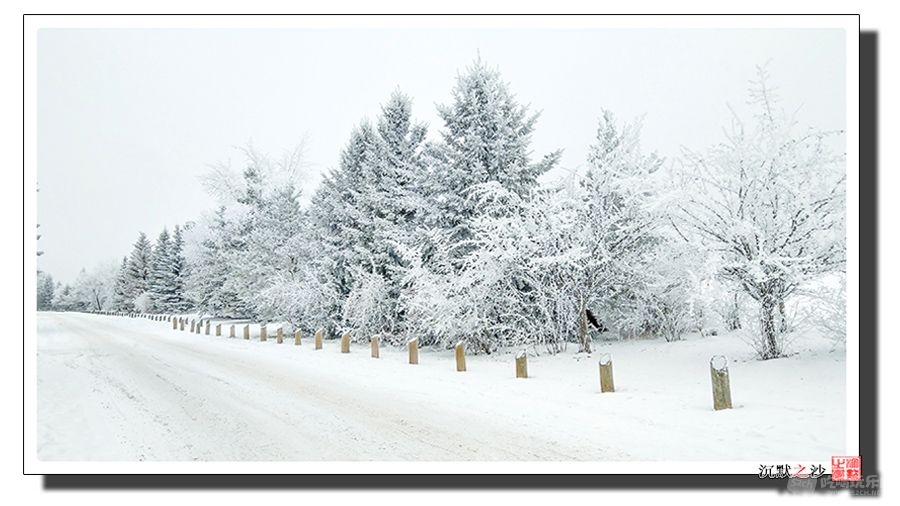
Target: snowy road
point(112, 388)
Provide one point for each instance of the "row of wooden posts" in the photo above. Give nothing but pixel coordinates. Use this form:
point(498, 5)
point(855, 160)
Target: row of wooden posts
point(718, 365)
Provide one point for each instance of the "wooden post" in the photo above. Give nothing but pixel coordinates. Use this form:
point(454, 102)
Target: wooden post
point(721, 386)
point(319, 339)
point(374, 346)
point(181, 323)
point(345, 343)
point(231, 332)
point(262, 333)
point(207, 327)
point(247, 331)
point(413, 345)
point(522, 364)
point(218, 329)
point(174, 325)
point(279, 335)
point(460, 356)
point(606, 373)
point(297, 337)
point(193, 322)
point(199, 325)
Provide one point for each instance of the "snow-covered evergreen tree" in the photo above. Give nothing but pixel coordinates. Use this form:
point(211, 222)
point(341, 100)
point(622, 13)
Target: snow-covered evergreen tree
point(264, 249)
point(177, 299)
point(469, 276)
point(210, 268)
point(139, 269)
point(617, 230)
point(161, 282)
point(45, 287)
point(65, 299)
point(122, 298)
point(363, 210)
point(486, 138)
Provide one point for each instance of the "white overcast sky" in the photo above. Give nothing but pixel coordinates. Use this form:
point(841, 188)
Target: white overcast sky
point(128, 119)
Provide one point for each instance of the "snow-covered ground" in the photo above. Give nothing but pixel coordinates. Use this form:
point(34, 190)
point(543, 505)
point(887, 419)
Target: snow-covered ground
point(114, 388)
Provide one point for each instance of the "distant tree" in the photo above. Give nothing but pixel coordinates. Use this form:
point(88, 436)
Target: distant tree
point(65, 299)
point(45, 288)
point(95, 290)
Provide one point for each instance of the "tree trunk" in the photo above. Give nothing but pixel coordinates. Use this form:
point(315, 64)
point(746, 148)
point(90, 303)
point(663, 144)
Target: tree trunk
point(583, 336)
point(734, 315)
point(770, 332)
point(781, 312)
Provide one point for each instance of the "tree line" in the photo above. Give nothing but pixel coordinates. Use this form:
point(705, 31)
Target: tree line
point(460, 238)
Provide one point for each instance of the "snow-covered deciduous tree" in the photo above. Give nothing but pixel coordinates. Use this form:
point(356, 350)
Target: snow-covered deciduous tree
point(770, 200)
point(673, 291)
point(255, 239)
point(93, 290)
point(511, 289)
point(825, 308)
point(303, 300)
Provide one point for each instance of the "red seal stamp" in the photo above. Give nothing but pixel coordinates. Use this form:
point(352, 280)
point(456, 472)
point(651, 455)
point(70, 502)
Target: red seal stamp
point(846, 468)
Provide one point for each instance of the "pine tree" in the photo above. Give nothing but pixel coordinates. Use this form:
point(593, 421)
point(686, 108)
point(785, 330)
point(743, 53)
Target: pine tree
point(486, 137)
point(206, 283)
point(122, 299)
point(45, 288)
point(474, 176)
point(617, 229)
point(138, 273)
point(263, 249)
point(177, 300)
point(365, 209)
point(162, 279)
